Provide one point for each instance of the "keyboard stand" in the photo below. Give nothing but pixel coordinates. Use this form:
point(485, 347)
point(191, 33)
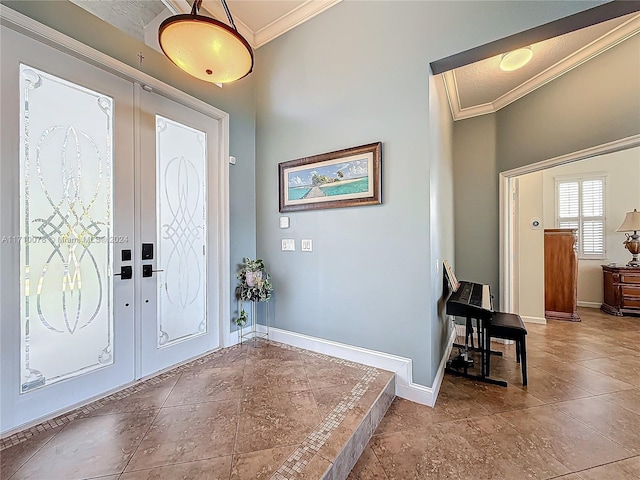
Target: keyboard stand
point(484, 367)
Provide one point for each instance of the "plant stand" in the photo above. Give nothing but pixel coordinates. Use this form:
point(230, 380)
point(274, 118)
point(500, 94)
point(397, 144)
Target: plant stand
point(253, 334)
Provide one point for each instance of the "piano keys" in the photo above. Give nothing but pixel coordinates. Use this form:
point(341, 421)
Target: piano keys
point(471, 300)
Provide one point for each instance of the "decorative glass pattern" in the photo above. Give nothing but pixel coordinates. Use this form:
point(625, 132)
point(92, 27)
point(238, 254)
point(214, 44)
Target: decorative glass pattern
point(181, 156)
point(66, 229)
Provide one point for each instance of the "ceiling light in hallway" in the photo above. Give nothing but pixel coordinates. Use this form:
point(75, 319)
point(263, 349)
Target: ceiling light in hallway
point(516, 59)
point(206, 48)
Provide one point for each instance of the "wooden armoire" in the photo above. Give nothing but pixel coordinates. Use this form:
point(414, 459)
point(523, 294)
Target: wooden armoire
point(561, 274)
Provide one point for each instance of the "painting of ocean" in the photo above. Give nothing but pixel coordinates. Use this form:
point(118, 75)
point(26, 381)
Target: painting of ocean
point(356, 186)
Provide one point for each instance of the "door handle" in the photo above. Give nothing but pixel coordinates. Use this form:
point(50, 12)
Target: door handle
point(126, 273)
point(147, 270)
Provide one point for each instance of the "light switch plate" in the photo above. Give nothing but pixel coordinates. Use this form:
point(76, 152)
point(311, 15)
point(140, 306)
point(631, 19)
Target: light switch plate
point(284, 222)
point(288, 245)
point(306, 245)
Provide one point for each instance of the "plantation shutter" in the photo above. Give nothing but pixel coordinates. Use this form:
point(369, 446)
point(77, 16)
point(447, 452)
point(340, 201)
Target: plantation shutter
point(580, 205)
point(593, 217)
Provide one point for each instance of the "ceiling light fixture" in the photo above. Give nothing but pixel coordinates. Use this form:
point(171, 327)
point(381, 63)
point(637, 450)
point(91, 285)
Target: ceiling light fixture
point(206, 48)
point(516, 59)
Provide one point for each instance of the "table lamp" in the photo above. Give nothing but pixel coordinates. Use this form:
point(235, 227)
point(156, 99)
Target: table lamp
point(632, 224)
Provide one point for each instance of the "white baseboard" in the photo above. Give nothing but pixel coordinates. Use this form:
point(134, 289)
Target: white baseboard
point(538, 320)
point(589, 304)
point(401, 366)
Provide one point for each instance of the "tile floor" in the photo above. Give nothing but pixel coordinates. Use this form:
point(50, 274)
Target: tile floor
point(578, 419)
point(245, 414)
point(241, 413)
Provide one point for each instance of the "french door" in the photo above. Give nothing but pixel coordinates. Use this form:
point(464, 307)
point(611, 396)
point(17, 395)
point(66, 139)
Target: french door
point(176, 291)
point(108, 260)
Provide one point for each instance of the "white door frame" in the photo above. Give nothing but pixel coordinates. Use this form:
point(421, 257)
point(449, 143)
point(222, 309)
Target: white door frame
point(32, 29)
point(509, 254)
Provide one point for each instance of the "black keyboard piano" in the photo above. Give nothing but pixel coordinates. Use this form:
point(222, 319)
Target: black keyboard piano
point(471, 300)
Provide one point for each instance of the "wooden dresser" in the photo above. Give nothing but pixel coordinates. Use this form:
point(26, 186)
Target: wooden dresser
point(621, 290)
point(561, 274)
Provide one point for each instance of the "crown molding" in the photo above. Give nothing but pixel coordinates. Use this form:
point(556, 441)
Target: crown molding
point(215, 10)
point(292, 19)
point(283, 24)
point(589, 51)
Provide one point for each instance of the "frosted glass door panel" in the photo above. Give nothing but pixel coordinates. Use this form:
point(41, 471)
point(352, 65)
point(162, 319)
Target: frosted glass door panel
point(66, 228)
point(181, 212)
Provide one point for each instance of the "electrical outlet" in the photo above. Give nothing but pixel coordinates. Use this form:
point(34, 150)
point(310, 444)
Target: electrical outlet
point(288, 245)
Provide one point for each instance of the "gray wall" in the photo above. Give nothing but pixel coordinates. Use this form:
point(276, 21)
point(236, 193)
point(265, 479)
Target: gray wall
point(476, 200)
point(356, 74)
point(236, 99)
point(595, 103)
point(441, 208)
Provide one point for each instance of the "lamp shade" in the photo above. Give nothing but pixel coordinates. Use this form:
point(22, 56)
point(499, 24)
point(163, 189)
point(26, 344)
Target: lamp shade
point(516, 59)
point(205, 48)
point(631, 222)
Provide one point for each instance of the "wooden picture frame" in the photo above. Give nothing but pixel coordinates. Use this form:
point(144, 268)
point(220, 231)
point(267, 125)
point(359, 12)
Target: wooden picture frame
point(344, 178)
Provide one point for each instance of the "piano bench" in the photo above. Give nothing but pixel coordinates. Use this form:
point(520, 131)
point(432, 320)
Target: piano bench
point(509, 326)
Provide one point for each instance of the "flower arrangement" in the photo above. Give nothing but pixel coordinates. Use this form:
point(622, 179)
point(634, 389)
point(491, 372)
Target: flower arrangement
point(255, 285)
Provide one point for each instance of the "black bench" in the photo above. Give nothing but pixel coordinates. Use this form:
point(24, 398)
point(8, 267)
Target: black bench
point(509, 326)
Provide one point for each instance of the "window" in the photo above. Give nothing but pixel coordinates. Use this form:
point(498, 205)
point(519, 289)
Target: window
point(580, 204)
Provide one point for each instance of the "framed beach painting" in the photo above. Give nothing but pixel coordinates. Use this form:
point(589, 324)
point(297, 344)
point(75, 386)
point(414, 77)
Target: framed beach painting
point(345, 178)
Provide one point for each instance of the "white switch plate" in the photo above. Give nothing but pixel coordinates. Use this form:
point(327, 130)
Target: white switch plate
point(284, 222)
point(288, 245)
point(306, 245)
point(232, 160)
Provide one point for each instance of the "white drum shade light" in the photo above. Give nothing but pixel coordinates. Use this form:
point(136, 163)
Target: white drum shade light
point(206, 48)
point(516, 59)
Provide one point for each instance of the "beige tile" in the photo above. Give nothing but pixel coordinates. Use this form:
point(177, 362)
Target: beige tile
point(235, 356)
point(511, 452)
point(559, 348)
point(585, 378)
point(11, 459)
point(213, 469)
point(207, 385)
point(537, 358)
point(614, 422)
point(282, 376)
point(566, 439)
point(259, 464)
point(497, 399)
point(435, 452)
point(89, 447)
point(268, 421)
point(368, 467)
point(628, 469)
point(270, 353)
point(607, 349)
point(324, 373)
point(452, 404)
point(316, 469)
point(187, 433)
point(629, 399)
point(549, 389)
point(625, 369)
point(327, 398)
point(150, 396)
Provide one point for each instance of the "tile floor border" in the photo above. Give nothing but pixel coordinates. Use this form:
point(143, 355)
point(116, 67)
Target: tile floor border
point(65, 418)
